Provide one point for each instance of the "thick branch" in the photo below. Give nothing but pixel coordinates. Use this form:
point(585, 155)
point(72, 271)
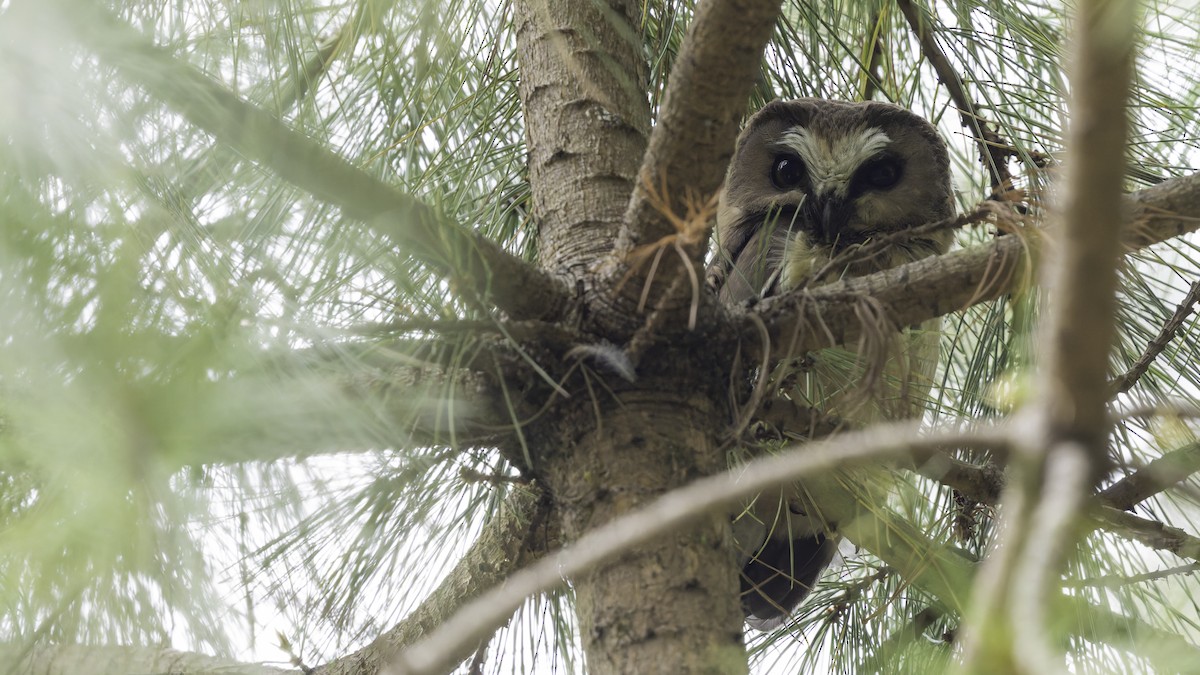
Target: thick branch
point(1082, 278)
point(519, 536)
point(477, 264)
point(1161, 473)
point(583, 96)
point(702, 108)
point(692, 141)
point(806, 320)
point(1062, 454)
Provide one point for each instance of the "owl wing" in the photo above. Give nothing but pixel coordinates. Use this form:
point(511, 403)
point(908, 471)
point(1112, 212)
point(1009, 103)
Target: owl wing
point(749, 261)
point(782, 552)
point(845, 385)
point(783, 566)
point(783, 548)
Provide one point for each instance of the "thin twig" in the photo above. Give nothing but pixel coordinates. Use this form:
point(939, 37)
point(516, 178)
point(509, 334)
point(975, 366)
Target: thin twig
point(882, 244)
point(1120, 581)
point(945, 574)
point(1156, 346)
point(1179, 409)
point(994, 151)
point(286, 646)
point(1158, 475)
point(852, 592)
point(300, 83)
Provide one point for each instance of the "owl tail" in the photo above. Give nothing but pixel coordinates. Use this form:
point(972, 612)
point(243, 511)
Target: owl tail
point(780, 575)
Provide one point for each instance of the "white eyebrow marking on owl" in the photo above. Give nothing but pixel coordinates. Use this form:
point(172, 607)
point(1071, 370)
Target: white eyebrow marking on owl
point(831, 161)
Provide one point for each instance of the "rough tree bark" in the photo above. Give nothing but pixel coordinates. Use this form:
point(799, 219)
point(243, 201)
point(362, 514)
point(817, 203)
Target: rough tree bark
point(674, 601)
point(583, 96)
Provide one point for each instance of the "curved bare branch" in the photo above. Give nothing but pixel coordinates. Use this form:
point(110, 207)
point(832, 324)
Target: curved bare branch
point(669, 513)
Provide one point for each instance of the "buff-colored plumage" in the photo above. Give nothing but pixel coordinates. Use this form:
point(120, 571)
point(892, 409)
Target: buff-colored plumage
point(812, 182)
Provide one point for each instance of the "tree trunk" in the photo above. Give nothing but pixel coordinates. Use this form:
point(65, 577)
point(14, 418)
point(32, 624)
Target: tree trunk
point(671, 606)
point(583, 94)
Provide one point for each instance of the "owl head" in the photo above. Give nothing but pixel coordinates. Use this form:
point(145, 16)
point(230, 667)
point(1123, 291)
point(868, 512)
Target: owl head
point(811, 179)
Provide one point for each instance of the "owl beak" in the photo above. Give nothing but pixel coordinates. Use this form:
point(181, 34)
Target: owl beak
point(828, 215)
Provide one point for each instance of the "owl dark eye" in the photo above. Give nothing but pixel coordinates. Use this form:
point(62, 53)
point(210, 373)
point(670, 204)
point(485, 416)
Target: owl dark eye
point(880, 174)
point(787, 172)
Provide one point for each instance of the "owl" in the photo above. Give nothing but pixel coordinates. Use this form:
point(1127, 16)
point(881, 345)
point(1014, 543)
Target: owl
point(812, 182)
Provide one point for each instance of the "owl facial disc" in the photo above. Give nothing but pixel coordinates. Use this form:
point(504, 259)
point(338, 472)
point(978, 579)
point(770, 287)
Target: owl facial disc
point(838, 169)
point(811, 180)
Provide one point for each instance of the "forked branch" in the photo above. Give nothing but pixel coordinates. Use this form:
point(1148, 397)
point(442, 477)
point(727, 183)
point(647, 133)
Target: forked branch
point(698, 121)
